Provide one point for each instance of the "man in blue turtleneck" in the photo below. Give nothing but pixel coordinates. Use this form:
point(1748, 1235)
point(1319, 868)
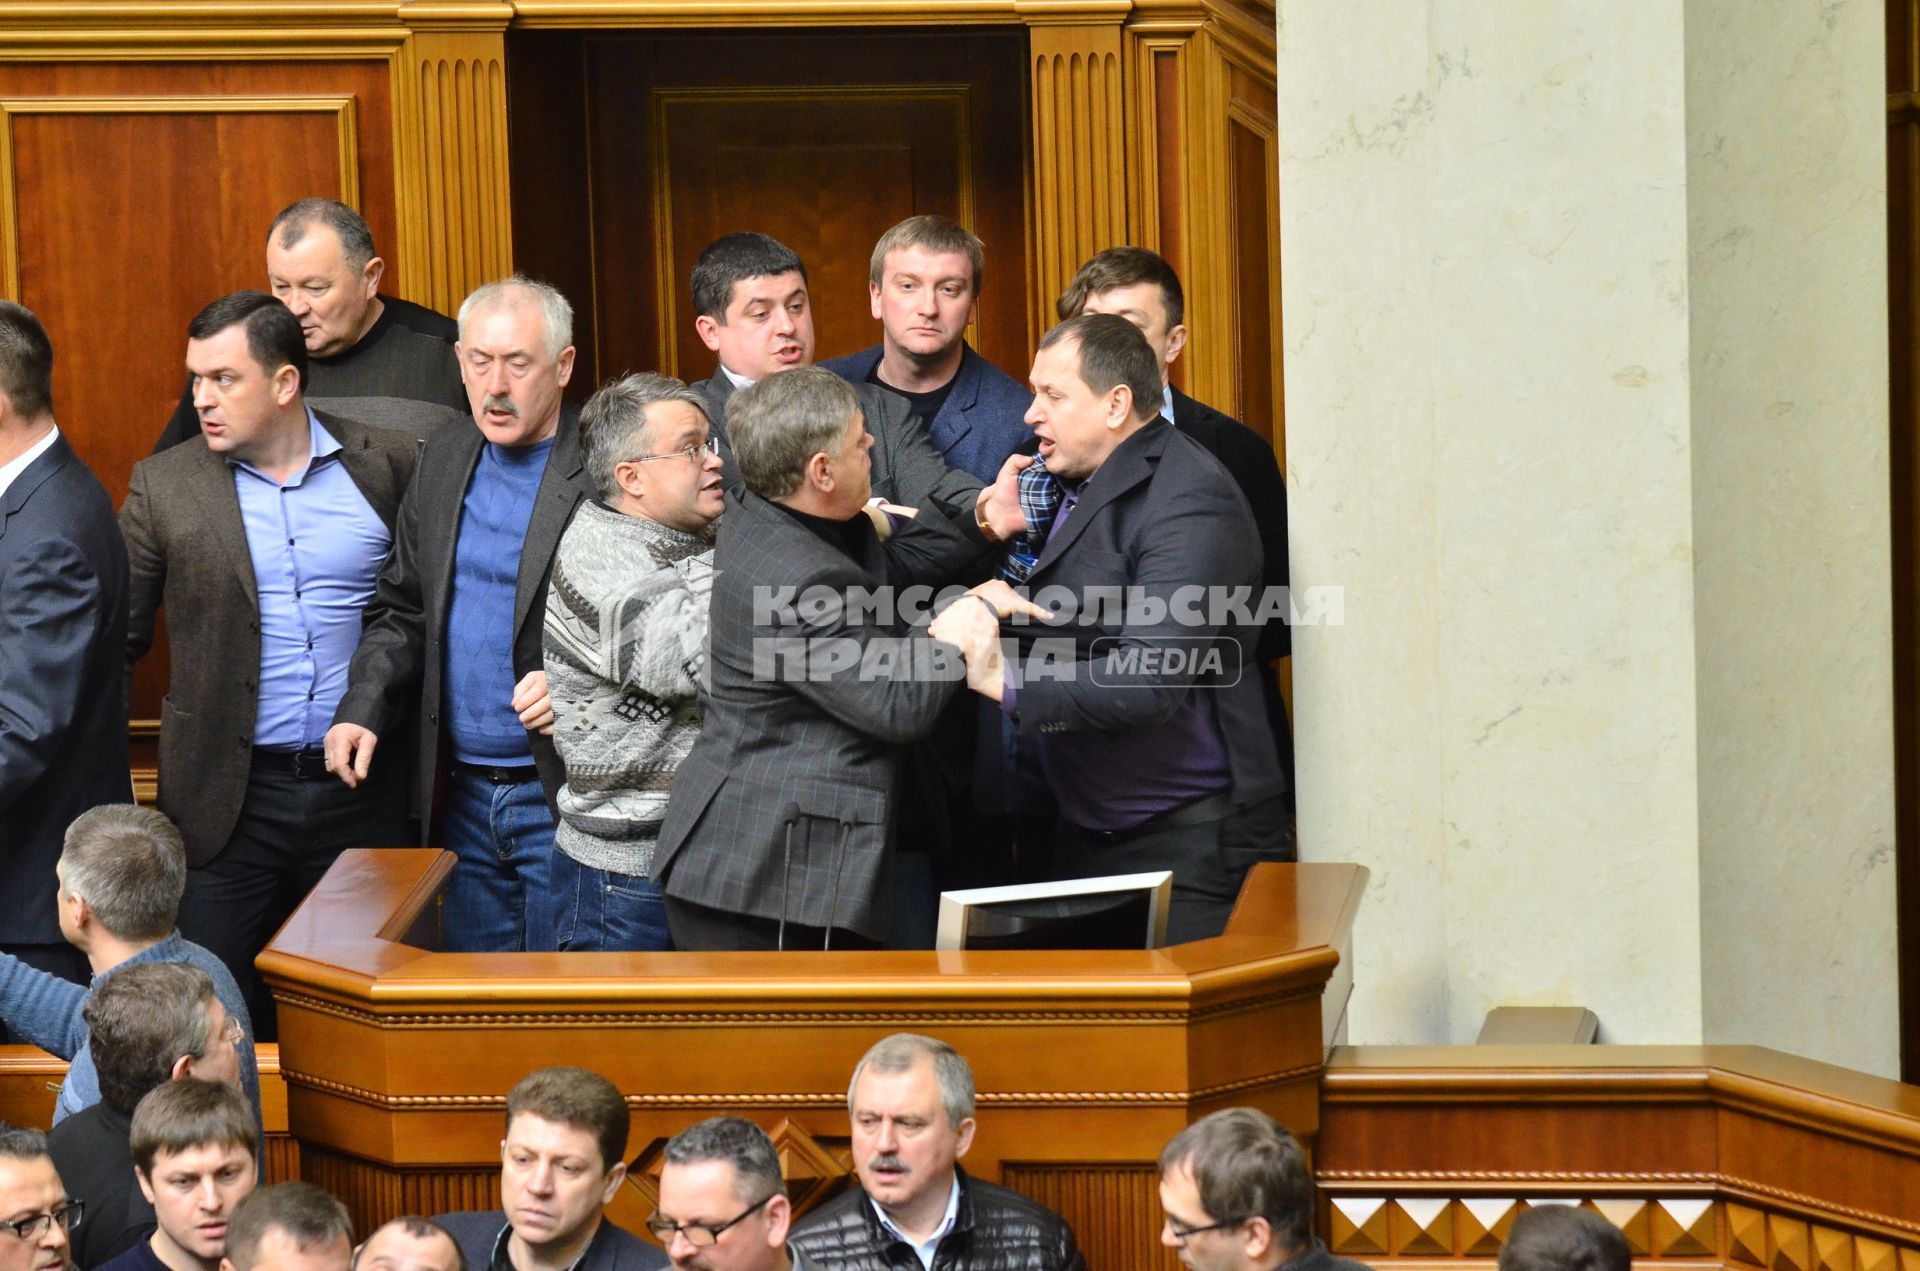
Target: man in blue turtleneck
point(455, 630)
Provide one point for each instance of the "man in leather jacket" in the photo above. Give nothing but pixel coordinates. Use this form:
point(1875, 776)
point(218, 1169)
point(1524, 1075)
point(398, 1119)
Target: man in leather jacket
point(915, 1209)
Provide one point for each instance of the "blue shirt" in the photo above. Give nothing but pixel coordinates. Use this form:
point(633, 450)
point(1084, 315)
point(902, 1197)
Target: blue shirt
point(317, 546)
point(478, 683)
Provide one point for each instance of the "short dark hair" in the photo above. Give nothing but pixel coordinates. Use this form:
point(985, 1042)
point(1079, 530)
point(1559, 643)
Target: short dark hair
point(932, 234)
point(140, 1021)
point(1112, 351)
point(580, 1098)
point(26, 361)
point(307, 1214)
point(1564, 1238)
point(1124, 267)
point(19, 1143)
point(273, 333)
point(780, 422)
point(735, 258)
point(738, 1142)
point(1244, 1165)
point(130, 866)
point(420, 1229)
point(176, 1116)
point(356, 237)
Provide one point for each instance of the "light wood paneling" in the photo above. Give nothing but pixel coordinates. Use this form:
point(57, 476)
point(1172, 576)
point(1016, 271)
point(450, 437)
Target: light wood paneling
point(1081, 162)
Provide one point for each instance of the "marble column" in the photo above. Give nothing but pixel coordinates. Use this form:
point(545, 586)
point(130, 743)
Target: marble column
point(1586, 366)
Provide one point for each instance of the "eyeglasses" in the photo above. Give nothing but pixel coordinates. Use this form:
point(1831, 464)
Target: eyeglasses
point(68, 1216)
point(1182, 1232)
point(232, 1032)
point(699, 452)
point(698, 1234)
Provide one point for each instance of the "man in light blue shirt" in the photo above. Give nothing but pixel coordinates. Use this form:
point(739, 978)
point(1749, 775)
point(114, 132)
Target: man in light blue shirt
point(262, 539)
point(120, 876)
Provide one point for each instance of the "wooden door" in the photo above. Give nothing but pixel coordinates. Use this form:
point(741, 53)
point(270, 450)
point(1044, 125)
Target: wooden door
point(631, 152)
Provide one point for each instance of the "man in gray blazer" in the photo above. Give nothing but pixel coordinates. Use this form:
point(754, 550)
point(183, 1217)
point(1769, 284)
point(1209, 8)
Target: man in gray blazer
point(752, 309)
point(1151, 727)
point(262, 539)
point(776, 834)
point(454, 636)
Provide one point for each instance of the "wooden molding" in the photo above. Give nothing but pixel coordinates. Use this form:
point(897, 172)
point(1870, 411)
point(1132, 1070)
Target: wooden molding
point(1082, 166)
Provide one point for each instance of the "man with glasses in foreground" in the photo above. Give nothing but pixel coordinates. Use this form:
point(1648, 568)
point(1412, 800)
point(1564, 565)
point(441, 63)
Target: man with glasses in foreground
point(723, 1204)
point(1238, 1197)
point(561, 1163)
point(35, 1214)
point(626, 640)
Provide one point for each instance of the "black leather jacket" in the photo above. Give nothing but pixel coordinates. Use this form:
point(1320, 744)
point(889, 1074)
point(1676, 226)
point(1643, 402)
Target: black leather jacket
point(994, 1229)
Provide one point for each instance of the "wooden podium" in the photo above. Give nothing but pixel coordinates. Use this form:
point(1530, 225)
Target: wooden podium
point(398, 1057)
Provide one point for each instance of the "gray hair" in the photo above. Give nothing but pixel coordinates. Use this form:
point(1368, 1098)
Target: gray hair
point(130, 866)
point(519, 291)
point(21, 1143)
point(141, 1020)
point(356, 239)
point(310, 1217)
point(738, 1142)
point(614, 426)
point(779, 423)
point(903, 1051)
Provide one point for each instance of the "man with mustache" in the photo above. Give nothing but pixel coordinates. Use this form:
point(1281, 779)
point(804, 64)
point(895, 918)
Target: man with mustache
point(1238, 1197)
point(911, 1102)
point(454, 638)
point(561, 1163)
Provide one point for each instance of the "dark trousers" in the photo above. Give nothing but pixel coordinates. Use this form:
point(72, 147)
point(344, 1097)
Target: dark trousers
point(290, 830)
point(1209, 859)
point(699, 928)
point(60, 959)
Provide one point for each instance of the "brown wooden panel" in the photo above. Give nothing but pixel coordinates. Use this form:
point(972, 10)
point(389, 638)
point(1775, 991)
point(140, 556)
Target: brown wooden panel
point(130, 222)
point(822, 140)
point(1114, 1210)
point(1255, 301)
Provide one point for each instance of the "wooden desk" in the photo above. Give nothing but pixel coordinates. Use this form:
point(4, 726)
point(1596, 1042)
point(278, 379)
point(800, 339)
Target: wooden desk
point(398, 1058)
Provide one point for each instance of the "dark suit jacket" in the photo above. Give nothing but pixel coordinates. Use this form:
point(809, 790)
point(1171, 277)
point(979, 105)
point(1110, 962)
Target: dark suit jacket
point(188, 547)
point(906, 468)
point(983, 419)
point(402, 655)
point(612, 1248)
point(1250, 459)
point(785, 729)
point(1159, 515)
point(63, 699)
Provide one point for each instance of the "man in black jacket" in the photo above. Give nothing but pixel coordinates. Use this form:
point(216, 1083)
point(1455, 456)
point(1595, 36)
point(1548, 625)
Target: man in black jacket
point(915, 1209)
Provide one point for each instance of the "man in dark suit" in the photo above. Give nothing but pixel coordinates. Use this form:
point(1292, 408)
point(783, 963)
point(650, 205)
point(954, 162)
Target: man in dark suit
point(377, 359)
point(776, 834)
point(1141, 287)
point(562, 1161)
point(456, 628)
point(924, 284)
point(63, 633)
point(1152, 736)
point(752, 309)
point(262, 540)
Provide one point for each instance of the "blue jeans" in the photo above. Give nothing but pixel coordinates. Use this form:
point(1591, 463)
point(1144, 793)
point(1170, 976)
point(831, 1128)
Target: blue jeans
point(597, 911)
point(502, 837)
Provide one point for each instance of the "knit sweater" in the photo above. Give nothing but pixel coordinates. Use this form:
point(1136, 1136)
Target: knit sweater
point(625, 644)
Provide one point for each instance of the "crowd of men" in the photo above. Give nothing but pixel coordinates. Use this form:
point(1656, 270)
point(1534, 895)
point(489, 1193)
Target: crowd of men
point(413, 594)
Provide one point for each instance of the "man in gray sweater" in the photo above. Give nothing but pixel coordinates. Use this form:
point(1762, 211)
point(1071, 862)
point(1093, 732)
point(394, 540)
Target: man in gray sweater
point(626, 638)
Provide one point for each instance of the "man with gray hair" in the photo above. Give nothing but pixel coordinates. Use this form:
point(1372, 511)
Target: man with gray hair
point(375, 358)
point(777, 834)
point(34, 1205)
point(911, 1101)
point(453, 639)
point(723, 1205)
point(626, 640)
point(289, 1227)
point(121, 873)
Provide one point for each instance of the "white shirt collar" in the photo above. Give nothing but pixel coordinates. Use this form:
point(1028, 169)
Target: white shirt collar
point(739, 381)
point(925, 1251)
point(1166, 402)
point(11, 471)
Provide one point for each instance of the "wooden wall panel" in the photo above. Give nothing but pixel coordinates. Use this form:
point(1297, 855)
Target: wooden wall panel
point(1114, 1210)
point(140, 191)
point(822, 140)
